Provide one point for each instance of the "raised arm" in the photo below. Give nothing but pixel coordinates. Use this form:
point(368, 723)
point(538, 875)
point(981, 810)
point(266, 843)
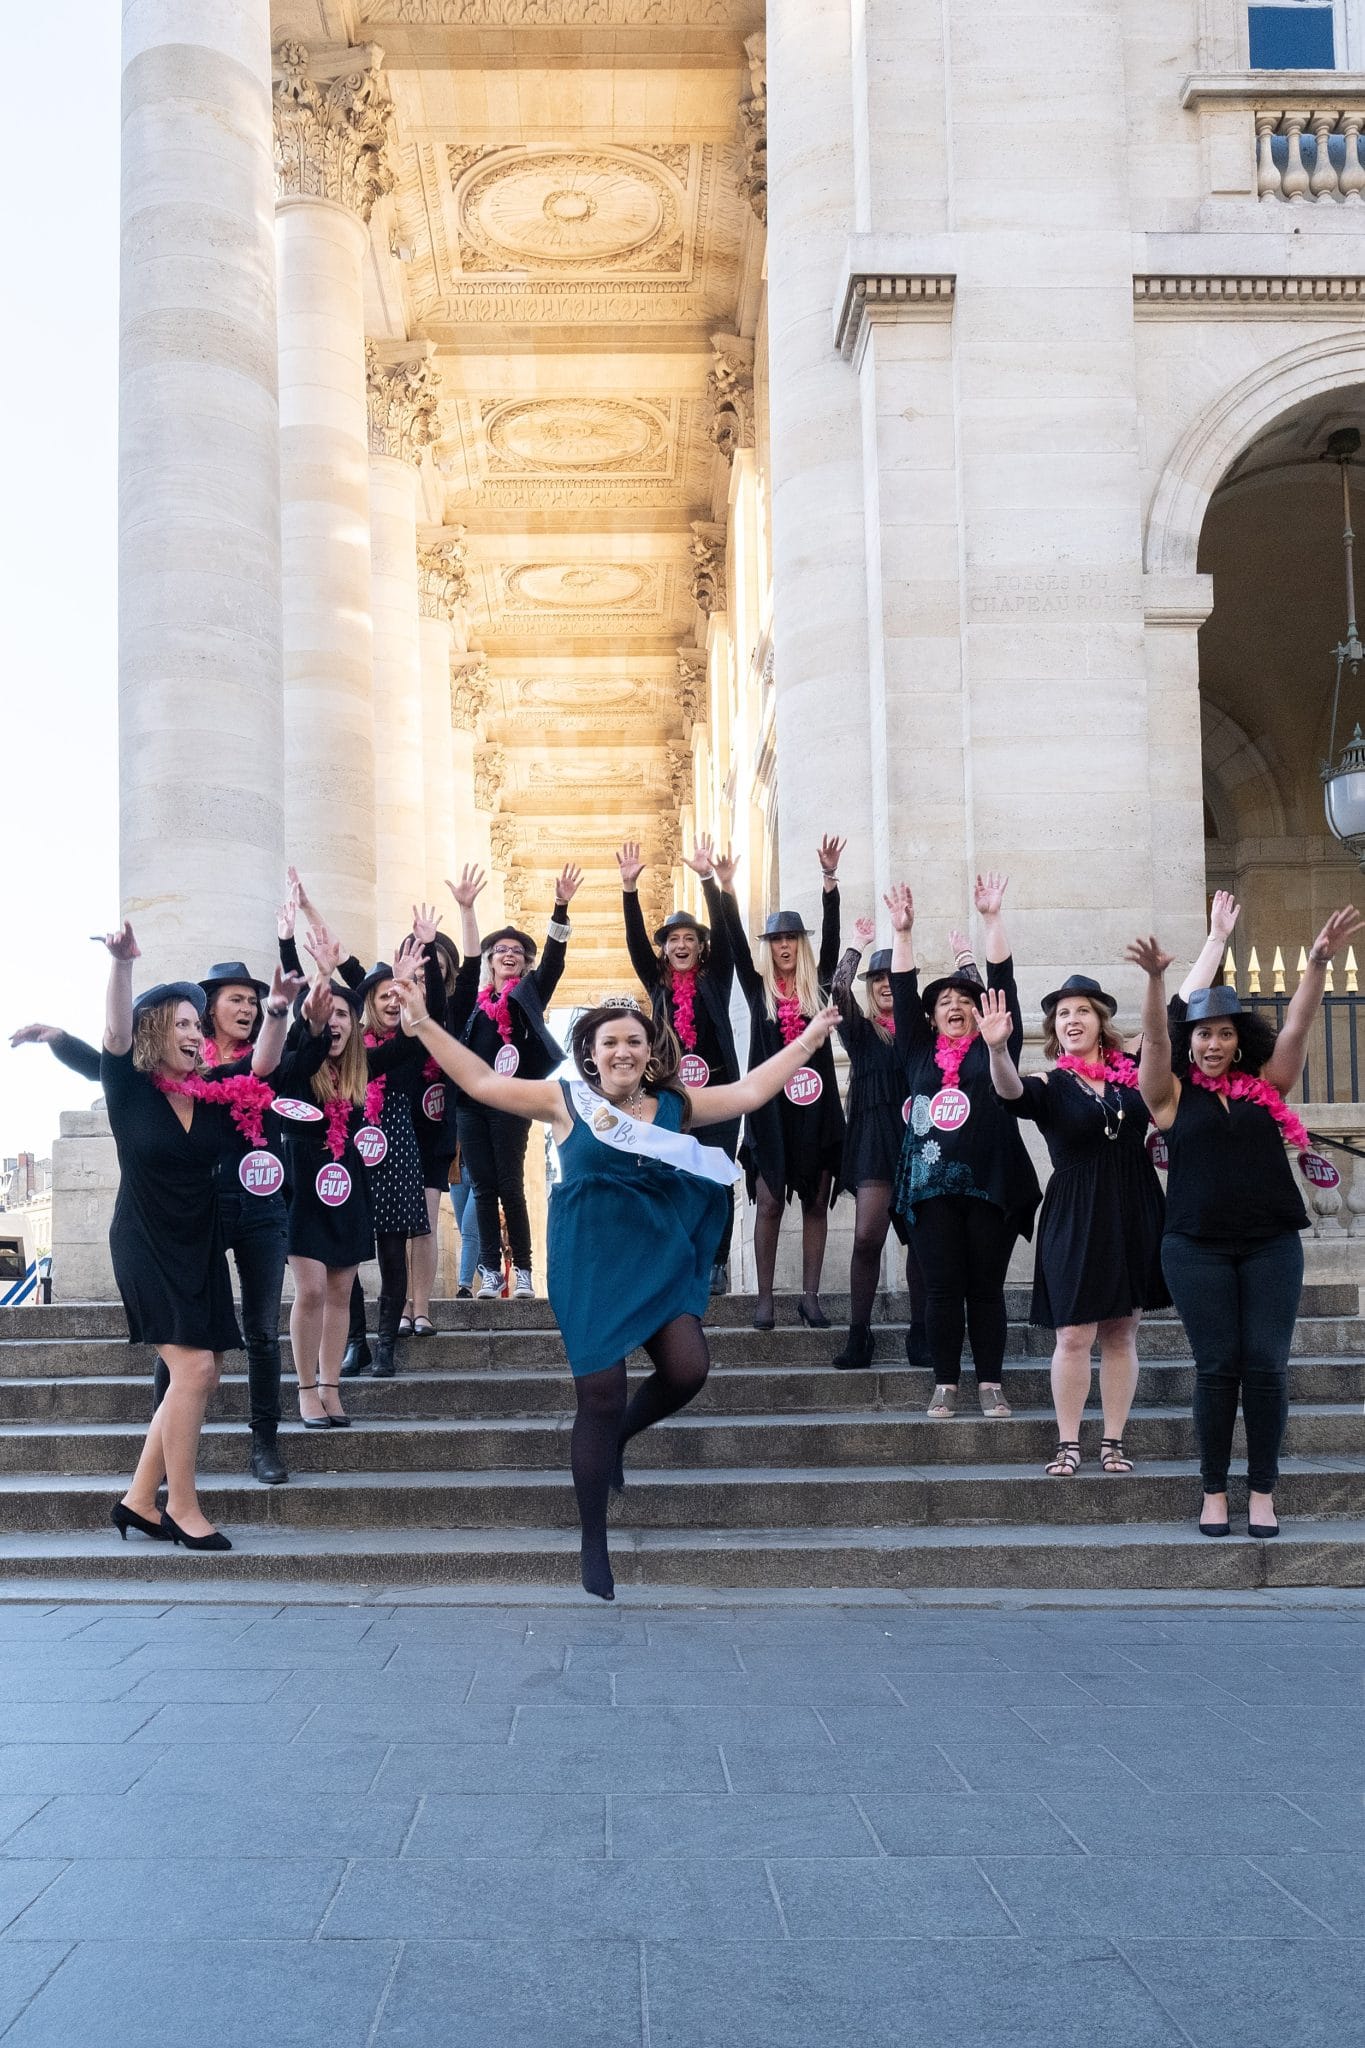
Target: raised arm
point(752, 1090)
point(75, 1053)
point(722, 964)
point(997, 1028)
point(830, 850)
point(268, 1050)
point(471, 883)
point(1160, 1089)
point(750, 980)
point(540, 1099)
point(550, 966)
point(913, 1029)
point(118, 1001)
point(1285, 1064)
point(1223, 917)
point(642, 955)
point(989, 897)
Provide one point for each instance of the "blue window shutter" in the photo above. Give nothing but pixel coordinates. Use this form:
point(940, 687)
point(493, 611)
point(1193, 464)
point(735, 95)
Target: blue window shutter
point(1291, 39)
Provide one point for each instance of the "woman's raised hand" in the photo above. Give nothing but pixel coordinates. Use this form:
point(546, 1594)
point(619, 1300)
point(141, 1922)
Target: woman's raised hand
point(703, 859)
point(901, 905)
point(412, 1005)
point(989, 893)
point(830, 850)
point(959, 945)
point(287, 915)
point(317, 1005)
point(285, 986)
point(1224, 915)
point(122, 945)
point(864, 931)
point(996, 1021)
point(1340, 928)
point(821, 1024)
point(305, 902)
point(323, 949)
point(723, 866)
point(424, 922)
point(472, 882)
point(566, 888)
point(409, 960)
point(1149, 955)
point(631, 865)
point(35, 1034)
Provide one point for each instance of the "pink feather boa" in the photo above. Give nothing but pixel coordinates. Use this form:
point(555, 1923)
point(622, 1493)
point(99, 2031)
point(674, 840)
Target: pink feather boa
point(1246, 1088)
point(1115, 1067)
point(245, 1096)
point(949, 1053)
point(790, 1021)
point(684, 993)
point(498, 1008)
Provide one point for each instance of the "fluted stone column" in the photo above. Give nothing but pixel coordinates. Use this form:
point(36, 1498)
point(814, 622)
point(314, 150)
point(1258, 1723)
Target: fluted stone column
point(402, 402)
point(200, 731)
point(441, 589)
point(332, 125)
point(824, 762)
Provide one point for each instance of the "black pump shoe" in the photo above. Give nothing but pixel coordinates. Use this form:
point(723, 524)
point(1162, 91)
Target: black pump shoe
point(266, 1463)
point(815, 1319)
point(856, 1355)
point(215, 1540)
point(125, 1518)
point(355, 1359)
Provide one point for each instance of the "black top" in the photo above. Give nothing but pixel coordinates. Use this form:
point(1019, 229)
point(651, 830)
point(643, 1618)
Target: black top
point(1229, 1174)
point(76, 1054)
point(789, 1146)
point(876, 1085)
point(711, 1011)
point(985, 1155)
point(538, 1053)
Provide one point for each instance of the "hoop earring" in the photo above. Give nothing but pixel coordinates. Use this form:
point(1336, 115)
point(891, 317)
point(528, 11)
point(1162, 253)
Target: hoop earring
point(589, 1066)
point(1237, 1057)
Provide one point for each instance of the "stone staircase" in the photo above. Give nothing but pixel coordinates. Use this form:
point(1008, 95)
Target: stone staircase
point(783, 1474)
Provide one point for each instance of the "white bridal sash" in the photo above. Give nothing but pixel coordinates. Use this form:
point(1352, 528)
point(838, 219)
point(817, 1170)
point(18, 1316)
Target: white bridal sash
point(624, 1133)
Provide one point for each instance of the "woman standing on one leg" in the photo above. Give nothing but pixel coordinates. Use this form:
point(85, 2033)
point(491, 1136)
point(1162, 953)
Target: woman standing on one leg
point(634, 1222)
point(1232, 1254)
point(171, 1126)
point(965, 1183)
point(794, 1144)
point(1098, 1264)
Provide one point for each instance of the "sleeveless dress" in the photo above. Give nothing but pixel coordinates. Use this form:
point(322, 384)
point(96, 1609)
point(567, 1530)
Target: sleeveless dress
point(631, 1243)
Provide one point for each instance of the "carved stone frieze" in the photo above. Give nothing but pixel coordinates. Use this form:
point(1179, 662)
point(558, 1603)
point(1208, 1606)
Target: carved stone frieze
point(402, 386)
point(561, 211)
point(730, 390)
point(442, 580)
point(680, 774)
point(333, 134)
point(502, 840)
point(753, 127)
point(490, 772)
point(559, 13)
point(668, 839)
point(469, 687)
point(582, 586)
point(692, 690)
point(515, 891)
point(707, 549)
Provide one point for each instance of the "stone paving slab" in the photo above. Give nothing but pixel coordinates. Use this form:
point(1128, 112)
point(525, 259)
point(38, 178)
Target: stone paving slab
point(407, 1822)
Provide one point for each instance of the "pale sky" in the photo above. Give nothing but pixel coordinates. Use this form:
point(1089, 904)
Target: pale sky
point(59, 353)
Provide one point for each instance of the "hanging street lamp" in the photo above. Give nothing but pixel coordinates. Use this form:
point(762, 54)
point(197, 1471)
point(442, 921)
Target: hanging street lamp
point(1343, 776)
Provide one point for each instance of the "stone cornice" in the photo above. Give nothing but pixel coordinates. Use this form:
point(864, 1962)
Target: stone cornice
point(1250, 89)
point(1158, 293)
point(889, 295)
point(402, 388)
point(334, 126)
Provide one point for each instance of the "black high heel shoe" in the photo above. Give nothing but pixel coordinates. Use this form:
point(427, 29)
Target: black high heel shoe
point(817, 1321)
point(125, 1518)
point(172, 1531)
point(333, 1421)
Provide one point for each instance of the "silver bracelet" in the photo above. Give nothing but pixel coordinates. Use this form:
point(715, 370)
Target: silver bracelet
point(555, 930)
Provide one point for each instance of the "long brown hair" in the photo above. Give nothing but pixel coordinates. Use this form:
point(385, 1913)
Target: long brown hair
point(348, 1075)
point(664, 1050)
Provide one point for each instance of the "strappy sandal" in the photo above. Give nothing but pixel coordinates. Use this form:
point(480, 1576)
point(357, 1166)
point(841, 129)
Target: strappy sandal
point(1113, 1457)
point(992, 1400)
point(1067, 1462)
point(942, 1403)
point(326, 1387)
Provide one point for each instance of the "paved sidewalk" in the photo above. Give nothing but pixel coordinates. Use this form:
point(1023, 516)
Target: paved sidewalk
point(791, 1825)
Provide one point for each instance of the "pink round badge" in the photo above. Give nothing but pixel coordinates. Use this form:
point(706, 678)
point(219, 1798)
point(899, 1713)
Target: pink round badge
point(693, 1071)
point(1317, 1171)
point(1158, 1151)
point(297, 1112)
point(261, 1173)
point(804, 1087)
point(507, 1061)
point(371, 1144)
point(949, 1109)
point(906, 1108)
point(333, 1185)
point(434, 1102)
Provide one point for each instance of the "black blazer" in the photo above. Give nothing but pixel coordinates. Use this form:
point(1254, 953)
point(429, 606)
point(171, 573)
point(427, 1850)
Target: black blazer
point(713, 986)
point(540, 1053)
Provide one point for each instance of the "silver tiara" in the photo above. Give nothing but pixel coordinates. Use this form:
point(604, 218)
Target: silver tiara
point(624, 1002)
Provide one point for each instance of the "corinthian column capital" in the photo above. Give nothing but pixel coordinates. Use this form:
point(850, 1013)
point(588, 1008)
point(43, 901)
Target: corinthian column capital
point(402, 387)
point(469, 686)
point(442, 582)
point(333, 126)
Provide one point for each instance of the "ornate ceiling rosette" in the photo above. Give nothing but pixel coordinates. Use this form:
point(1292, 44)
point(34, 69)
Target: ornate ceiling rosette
point(564, 212)
point(583, 586)
point(607, 436)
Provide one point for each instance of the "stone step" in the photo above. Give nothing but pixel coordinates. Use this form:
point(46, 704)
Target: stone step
point(1157, 1556)
point(1324, 1485)
point(730, 1390)
point(696, 1441)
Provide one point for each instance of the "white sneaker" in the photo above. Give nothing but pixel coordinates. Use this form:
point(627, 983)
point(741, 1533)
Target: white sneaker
point(522, 1290)
point(489, 1287)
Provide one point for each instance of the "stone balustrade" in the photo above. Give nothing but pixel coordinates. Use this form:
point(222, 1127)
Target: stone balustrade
point(1310, 153)
point(1287, 137)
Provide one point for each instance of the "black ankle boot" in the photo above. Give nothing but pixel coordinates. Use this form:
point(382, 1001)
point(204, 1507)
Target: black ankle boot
point(266, 1463)
point(382, 1369)
point(856, 1355)
point(355, 1359)
point(917, 1348)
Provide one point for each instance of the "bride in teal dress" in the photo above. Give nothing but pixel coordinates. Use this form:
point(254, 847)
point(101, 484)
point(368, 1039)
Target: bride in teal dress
point(634, 1222)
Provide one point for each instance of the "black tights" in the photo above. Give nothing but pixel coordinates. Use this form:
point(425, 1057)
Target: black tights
point(393, 1288)
point(814, 1230)
point(605, 1423)
point(872, 1220)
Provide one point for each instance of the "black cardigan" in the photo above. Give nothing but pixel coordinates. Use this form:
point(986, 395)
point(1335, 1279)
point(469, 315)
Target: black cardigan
point(713, 984)
point(539, 1053)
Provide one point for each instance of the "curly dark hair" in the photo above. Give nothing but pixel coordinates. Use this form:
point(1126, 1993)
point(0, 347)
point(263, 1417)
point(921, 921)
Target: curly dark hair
point(1255, 1041)
point(664, 1050)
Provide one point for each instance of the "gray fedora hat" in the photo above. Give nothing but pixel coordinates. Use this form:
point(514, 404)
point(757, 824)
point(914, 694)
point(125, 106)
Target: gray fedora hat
point(877, 963)
point(785, 924)
point(1205, 1003)
point(1079, 985)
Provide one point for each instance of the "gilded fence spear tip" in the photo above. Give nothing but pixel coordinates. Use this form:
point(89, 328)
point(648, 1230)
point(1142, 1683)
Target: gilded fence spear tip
point(1230, 969)
point(1352, 988)
point(1303, 962)
point(1254, 971)
point(1277, 971)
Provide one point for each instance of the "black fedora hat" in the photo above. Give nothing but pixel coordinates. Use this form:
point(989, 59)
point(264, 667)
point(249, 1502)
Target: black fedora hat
point(171, 992)
point(966, 984)
point(510, 931)
point(232, 973)
point(1079, 985)
point(1206, 1003)
point(877, 963)
point(785, 924)
point(681, 921)
point(381, 971)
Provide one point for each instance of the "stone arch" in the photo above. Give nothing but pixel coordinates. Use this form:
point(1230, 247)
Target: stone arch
point(1240, 787)
point(1213, 441)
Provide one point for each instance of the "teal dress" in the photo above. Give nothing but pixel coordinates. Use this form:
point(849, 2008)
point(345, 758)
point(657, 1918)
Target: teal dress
point(631, 1243)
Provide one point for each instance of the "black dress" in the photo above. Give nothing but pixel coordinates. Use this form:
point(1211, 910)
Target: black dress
point(166, 1238)
point(397, 1182)
point(711, 1010)
point(788, 1145)
point(876, 1092)
point(337, 1232)
point(1099, 1233)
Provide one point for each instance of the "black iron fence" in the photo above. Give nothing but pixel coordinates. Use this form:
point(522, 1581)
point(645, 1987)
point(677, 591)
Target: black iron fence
point(1333, 1063)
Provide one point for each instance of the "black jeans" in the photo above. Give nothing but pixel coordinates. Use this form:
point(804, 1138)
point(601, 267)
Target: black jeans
point(493, 1147)
point(257, 1237)
point(963, 1246)
point(1238, 1298)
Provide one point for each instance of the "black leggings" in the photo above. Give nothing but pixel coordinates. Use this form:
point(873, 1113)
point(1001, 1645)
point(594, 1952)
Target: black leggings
point(605, 1423)
point(872, 1220)
point(1238, 1300)
point(493, 1147)
point(392, 1247)
point(964, 1247)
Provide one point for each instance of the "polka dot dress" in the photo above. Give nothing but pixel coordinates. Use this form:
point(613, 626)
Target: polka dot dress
point(397, 1189)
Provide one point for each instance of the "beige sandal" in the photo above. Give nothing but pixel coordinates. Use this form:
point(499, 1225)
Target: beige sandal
point(942, 1402)
point(992, 1400)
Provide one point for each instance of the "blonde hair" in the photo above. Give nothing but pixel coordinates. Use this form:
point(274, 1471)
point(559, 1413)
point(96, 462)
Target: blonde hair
point(875, 1017)
point(371, 1019)
point(348, 1075)
point(154, 1036)
point(1110, 1041)
point(806, 977)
